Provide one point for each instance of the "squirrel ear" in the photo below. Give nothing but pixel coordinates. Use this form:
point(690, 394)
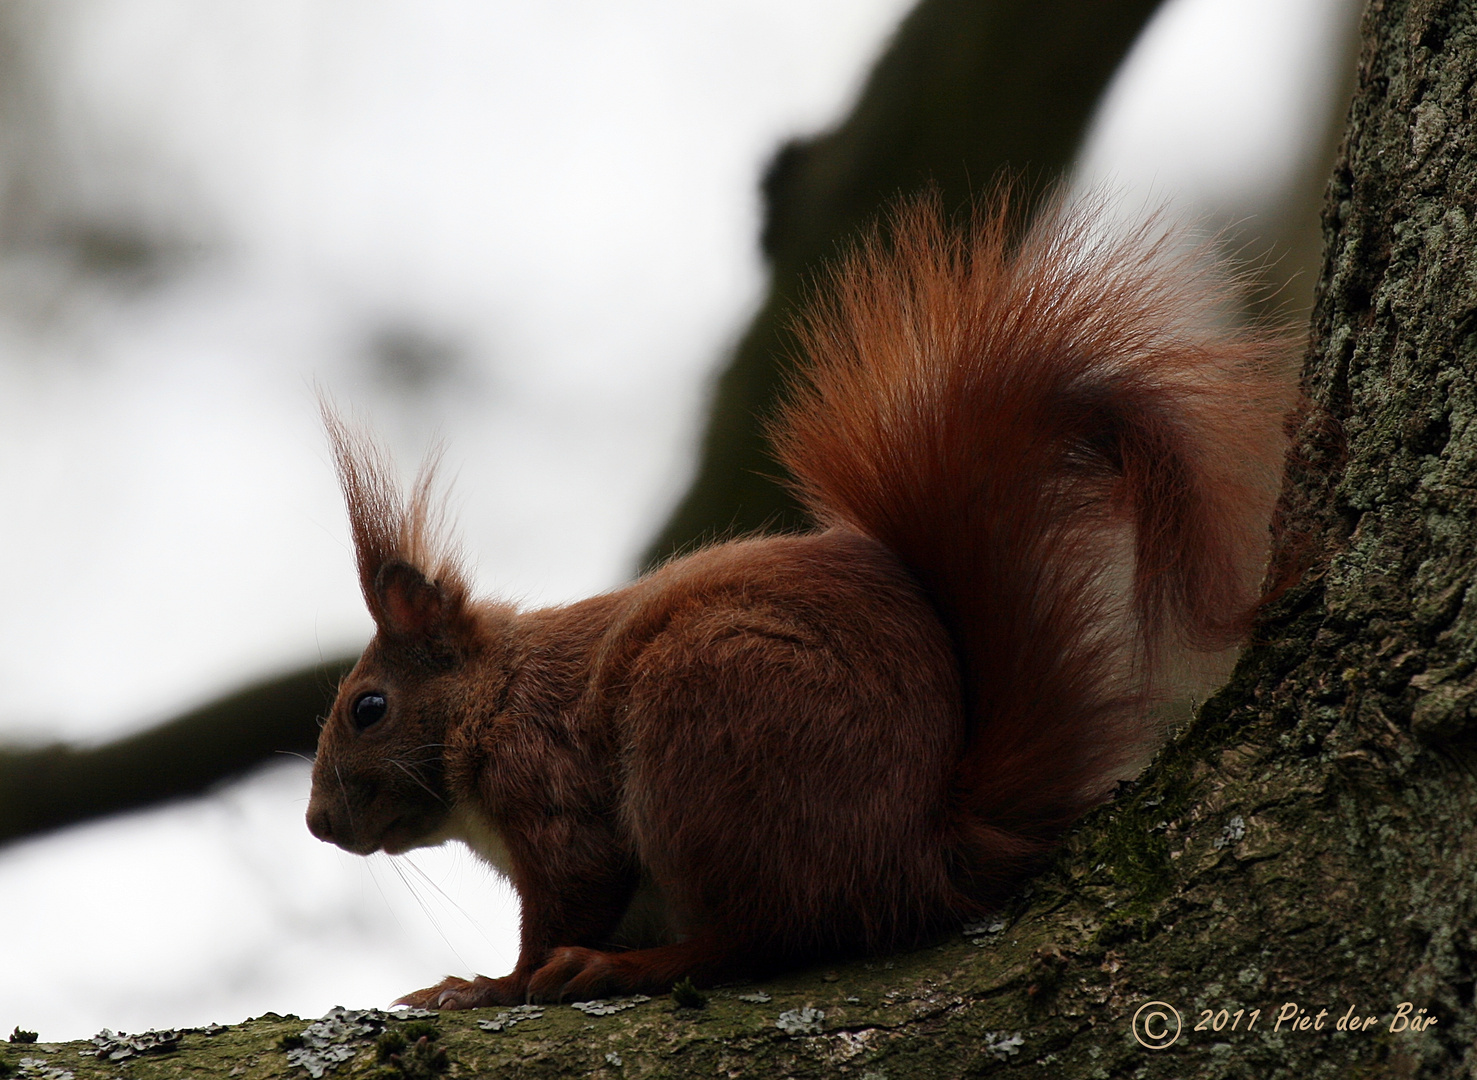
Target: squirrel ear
point(408, 604)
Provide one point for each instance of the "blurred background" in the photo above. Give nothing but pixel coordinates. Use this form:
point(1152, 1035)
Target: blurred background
point(530, 230)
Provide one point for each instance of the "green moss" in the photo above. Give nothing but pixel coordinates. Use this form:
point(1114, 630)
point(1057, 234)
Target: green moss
point(686, 996)
point(388, 1044)
point(1132, 847)
point(410, 1053)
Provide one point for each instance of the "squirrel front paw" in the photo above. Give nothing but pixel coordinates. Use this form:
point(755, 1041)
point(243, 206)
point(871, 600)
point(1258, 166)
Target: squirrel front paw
point(454, 993)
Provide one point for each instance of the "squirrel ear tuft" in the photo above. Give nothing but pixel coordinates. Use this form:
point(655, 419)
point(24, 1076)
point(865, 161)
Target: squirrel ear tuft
point(408, 570)
point(407, 604)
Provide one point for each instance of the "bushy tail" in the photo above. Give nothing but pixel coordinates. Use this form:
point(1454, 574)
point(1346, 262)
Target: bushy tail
point(1064, 440)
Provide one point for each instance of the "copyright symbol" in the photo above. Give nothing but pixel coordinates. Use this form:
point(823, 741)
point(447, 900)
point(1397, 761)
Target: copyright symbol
point(1156, 1025)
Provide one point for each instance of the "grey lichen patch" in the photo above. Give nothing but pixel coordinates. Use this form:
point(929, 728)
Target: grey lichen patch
point(119, 1046)
point(1233, 832)
point(980, 933)
point(609, 1006)
point(798, 1022)
point(40, 1069)
point(341, 1035)
point(1428, 125)
point(1004, 1045)
point(505, 1020)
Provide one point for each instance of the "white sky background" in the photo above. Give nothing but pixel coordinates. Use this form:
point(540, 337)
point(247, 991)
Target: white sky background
point(557, 198)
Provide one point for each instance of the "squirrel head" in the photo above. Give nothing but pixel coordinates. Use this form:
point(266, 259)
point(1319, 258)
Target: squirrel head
point(379, 775)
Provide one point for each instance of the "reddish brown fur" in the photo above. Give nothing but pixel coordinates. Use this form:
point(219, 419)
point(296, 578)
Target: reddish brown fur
point(839, 742)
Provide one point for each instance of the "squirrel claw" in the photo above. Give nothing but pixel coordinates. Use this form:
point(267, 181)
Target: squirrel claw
point(454, 993)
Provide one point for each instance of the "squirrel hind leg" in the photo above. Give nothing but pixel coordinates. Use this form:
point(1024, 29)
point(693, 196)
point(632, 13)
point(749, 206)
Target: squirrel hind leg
point(576, 974)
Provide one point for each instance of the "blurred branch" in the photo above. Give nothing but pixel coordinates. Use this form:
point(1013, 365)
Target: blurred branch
point(54, 786)
point(966, 89)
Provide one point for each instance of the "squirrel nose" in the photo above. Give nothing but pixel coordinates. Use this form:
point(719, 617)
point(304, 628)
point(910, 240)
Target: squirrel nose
point(320, 824)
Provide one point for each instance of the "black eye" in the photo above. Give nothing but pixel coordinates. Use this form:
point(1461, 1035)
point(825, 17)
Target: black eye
point(369, 709)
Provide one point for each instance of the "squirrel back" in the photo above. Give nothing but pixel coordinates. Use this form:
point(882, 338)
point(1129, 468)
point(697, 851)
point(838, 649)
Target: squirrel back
point(1043, 468)
point(1076, 454)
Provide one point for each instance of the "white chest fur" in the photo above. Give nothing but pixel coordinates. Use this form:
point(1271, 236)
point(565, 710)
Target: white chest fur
point(479, 834)
point(647, 921)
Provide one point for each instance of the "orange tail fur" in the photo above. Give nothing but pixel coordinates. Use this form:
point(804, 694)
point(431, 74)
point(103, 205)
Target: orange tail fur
point(1063, 440)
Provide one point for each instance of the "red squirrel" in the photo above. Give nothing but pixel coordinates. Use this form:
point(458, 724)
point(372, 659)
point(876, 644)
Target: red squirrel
point(1041, 467)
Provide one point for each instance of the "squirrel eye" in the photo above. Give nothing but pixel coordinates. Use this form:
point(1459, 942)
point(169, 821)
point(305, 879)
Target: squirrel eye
point(369, 709)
